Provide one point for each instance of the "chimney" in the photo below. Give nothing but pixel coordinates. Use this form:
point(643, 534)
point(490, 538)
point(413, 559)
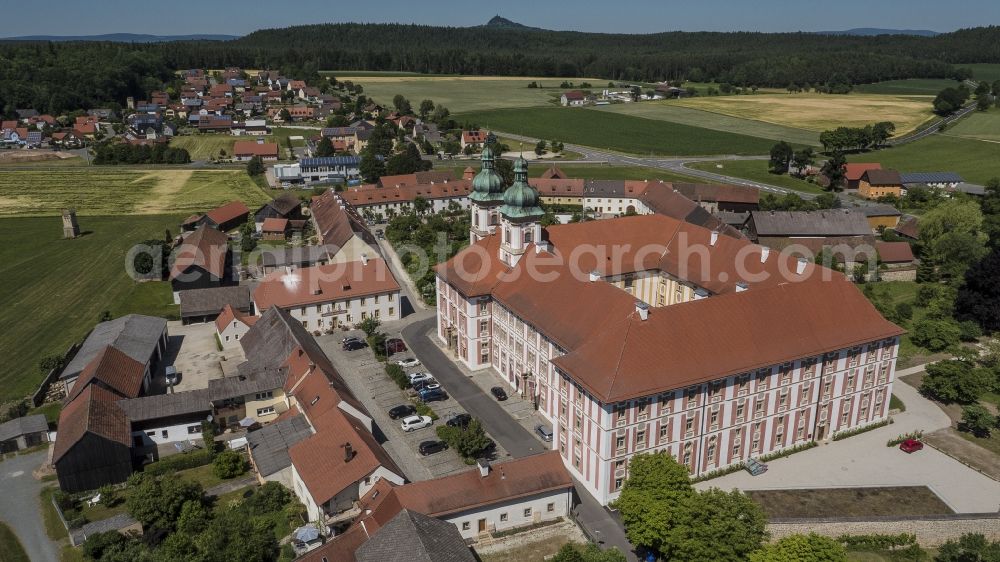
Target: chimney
point(764, 253)
point(643, 310)
point(741, 286)
point(364, 259)
point(348, 452)
point(484, 467)
point(317, 291)
point(800, 267)
point(595, 276)
point(715, 238)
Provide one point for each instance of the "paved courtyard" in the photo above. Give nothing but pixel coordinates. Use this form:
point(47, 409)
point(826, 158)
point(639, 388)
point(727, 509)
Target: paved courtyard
point(193, 350)
point(864, 460)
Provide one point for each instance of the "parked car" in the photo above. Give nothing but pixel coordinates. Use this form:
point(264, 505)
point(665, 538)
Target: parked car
point(417, 377)
point(172, 376)
point(380, 234)
point(412, 423)
point(402, 411)
point(433, 395)
point(755, 467)
point(408, 363)
point(350, 339)
point(431, 447)
point(395, 345)
point(459, 420)
point(498, 393)
point(544, 432)
point(911, 446)
point(426, 385)
point(354, 345)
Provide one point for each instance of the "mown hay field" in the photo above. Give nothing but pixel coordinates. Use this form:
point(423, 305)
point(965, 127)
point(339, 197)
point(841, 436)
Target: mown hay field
point(466, 93)
point(819, 112)
point(613, 131)
point(669, 110)
point(55, 289)
point(983, 126)
point(976, 160)
point(97, 190)
point(203, 146)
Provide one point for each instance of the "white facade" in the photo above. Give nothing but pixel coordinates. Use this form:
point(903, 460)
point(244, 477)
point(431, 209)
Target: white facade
point(328, 315)
point(164, 435)
point(346, 498)
point(230, 336)
point(519, 512)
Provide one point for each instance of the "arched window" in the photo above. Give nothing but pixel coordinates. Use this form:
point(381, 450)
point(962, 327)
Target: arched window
point(527, 236)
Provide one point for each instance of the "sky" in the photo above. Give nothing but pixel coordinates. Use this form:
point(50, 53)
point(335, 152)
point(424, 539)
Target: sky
point(232, 17)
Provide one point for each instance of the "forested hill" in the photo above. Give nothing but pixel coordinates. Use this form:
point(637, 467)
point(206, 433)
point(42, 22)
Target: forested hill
point(56, 77)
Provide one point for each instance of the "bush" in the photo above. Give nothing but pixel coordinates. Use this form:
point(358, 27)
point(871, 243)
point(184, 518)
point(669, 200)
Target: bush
point(936, 335)
point(877, 541)
point(977, 420)
point(398, 375)
point(181, 461)
point(229, 464)
point(900, 438)
point(98, 543)
point(425, 410)
point(969, 331)
point(269, 498)
point(956, 381)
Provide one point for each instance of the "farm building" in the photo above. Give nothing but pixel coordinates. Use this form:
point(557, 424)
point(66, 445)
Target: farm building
point(880, 183)
point(201, 261)
point(246, 150)
point(93, 444)
point(205, 305)
point(22, 433)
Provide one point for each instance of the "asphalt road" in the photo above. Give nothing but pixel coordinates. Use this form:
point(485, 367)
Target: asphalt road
point(598, 522)
point(20, 508)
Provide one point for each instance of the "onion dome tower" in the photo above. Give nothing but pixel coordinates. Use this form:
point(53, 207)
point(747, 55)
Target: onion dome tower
point(520, 216)
point(486, 197)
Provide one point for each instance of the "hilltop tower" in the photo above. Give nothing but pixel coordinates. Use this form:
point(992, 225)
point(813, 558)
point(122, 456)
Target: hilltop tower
point(520, 216)
point(486, 197)
point(71, 228)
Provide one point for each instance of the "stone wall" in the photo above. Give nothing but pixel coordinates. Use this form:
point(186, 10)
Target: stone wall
point(905, 273)
point(930, 531)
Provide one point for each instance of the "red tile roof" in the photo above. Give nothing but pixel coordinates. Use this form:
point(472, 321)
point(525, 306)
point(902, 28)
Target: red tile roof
point(335, 225)
point(374, 195)
point(719, 193)
point(274, 224)
point(115, 370)
point(206, 248)
point(93, 411)
point(853, 171)
point(476, 137)
point(253, 148)
point(416, 178)
point(229, 315)
point(894, 252)
point(232, 211)
point(324, 283)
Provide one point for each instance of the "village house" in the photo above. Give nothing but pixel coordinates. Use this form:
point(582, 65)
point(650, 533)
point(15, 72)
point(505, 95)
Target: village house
point(274, 229)
point(246, 150)
point(226, 217)
point(257, 394)
point(880, 183)
point(896, 261)
point(285, 206)
point(296, 257)
point(141, 338)
point(475, 139)
point(937, 180)
point(881, 217)
point(231, 324)
point(573, 99)
point(324, 169)
point(340, 228)
point(205, 305)
point(201, 261)
point(853, 171)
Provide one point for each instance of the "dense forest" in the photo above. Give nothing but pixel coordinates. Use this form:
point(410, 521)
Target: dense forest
point(56, 77)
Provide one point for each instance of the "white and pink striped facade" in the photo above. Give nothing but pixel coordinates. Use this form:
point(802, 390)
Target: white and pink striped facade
point(706, 427)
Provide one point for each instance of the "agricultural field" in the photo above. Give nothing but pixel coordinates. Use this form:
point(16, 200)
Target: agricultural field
point(976, 160)
point(587, 171)
point(819, 112)
point(669, 110)
point(464, 93)
point(756, 170)
point(204, 146)
point(984, 71)
point(56, 289)
point(110, 191)
point(613, 131)
point(984, 126)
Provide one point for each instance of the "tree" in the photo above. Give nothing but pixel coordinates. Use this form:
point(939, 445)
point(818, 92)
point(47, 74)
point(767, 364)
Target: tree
point(970, 547)
point(540, 148)
point(157, 502)
point(285, 115)
point(369, 325)
point(247, 232)
point(950, 100)
point(97, 544)
point(401, 104)
point(802, 159)
point(781, 155)
point(955, 380)
point(255, 166)
point(193, 518)
point(372, 167)
point(935, 335)
point(325, 147)
point(717, 525)
point(979, 297)
point(469, 442)
point(426, 107)
point(649, 500)
point(952, 237)
point(881, 132)
point(977, 420)
point(229, 464)
point(421, 205)
point(440, 114)
point(833, 169)
point(802, 548)
point(106, 314)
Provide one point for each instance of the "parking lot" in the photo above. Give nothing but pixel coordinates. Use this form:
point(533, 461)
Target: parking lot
point(193, 351)
point(366, 377)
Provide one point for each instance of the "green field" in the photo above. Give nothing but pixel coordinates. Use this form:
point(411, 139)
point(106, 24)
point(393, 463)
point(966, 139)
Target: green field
point(670, 111)
point(756, 170)
point(108, 191)
point(983, 126)
point(984, 71)
point(977, 161)
point(623, 133)
point(588, 171)
point(203, 146)
point(10, 548)
point(55, 289)
point(464, 93)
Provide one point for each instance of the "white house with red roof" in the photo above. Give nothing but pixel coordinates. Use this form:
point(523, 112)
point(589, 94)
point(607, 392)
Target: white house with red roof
point(476, 139)
point(231, 325)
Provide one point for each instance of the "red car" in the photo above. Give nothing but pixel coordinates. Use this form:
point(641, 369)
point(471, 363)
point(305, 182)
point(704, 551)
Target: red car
point(911, 446)
point(395, 345)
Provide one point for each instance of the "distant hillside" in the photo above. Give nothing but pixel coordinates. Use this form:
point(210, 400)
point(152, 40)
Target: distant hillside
point(873, 31)
point(501, 22)
point(123, 38)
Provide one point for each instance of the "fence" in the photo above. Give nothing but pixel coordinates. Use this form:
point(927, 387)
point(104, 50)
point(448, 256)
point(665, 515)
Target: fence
point(931, 531)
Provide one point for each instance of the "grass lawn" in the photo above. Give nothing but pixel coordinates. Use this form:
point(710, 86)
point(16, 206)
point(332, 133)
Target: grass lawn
point(896, 404)
point(56, 289)
point(668, 110)
point(70, 554)
point(536, 551)
point(204, 146)
point(981, 125)
point(111, 191)
point(10, 548)
point(623, 133)
point(819, 112)
point(849, 502)
point(898, 292)
point(977, 161)
point(204, 475)
point(587, 171)
point(53, 525)
point(984, 71)
point(464, 93)
point(280, 135)
point(911, 87)
point(756, 170)
point(50, 411)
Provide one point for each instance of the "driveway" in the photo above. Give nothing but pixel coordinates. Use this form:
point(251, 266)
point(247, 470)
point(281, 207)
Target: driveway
point(20, 508)
point(864, 460)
